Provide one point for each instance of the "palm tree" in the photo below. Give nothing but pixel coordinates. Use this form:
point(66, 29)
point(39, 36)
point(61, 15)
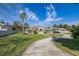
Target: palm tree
point(22, 17)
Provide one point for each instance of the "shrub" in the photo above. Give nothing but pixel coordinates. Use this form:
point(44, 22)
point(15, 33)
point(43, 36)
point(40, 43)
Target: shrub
point(75, 32)
point(35, 32)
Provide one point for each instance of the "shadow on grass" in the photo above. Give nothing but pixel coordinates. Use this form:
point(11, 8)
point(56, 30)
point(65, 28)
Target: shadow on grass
point(72, 44)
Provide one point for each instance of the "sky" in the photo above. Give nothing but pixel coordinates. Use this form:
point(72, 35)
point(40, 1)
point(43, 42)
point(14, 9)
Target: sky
point(41, 14)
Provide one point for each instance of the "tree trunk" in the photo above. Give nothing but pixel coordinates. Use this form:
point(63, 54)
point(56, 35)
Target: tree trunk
point(23, 31)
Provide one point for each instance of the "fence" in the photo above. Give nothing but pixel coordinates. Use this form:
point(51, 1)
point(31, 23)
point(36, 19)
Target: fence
point(8, 32)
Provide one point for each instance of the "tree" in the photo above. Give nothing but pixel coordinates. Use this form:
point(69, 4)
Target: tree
point(60, 26)
point(75, 31)
point(22, 17)
point(17, 25)
point(26, 25)
point(66, 26)
point(57, 26)
point(73, 26)
point(54, 25)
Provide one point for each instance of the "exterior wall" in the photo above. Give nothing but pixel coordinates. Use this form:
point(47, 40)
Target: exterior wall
point(5, 28)
point(41, 32)
point(64, 31)
point(0, 27)
point(29, 31)
point(40, 28)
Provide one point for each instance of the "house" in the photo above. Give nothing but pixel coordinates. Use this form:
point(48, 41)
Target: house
point(63, 30)
point(5, 26)
point(5, 29)
point(55, 30)
point(29, 31)
point(60, 30)
point(39, 29)
point(2, 24)
point(52, 30)
point(48, 30)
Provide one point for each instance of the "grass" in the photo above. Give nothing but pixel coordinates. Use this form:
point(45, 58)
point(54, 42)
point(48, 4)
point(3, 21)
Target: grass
point(55, 35)
point(69, 45)
point(15, 45)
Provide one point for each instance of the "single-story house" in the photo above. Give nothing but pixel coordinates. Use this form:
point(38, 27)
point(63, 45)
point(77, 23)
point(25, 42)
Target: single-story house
point(39, 29)
point(5, 27)
point(62, 30)
point(1, 26)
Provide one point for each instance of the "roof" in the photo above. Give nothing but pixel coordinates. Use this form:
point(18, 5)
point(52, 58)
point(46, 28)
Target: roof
point(1, 24)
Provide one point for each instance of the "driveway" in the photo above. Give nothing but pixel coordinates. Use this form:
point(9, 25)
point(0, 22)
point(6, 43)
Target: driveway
point(44, 47)
point(67, 36)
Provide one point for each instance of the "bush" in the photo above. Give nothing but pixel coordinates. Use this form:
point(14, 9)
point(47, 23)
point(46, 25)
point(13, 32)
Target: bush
point(35, 32)
point(75, 32)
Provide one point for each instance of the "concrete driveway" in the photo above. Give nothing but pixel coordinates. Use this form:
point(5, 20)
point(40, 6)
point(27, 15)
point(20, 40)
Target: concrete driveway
point(44, 47)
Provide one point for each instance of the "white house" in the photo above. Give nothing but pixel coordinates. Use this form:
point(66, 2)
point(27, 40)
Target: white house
point(1, 26)
point(62, 30)
point(4, 27)
point(52, 30)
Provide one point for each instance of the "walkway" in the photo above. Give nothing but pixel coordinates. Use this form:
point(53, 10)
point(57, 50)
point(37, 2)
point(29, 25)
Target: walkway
point(44, 47)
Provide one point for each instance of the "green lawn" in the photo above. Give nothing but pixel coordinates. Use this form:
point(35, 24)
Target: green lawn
point(55, 35)
point(16, 44)
point(69, 45)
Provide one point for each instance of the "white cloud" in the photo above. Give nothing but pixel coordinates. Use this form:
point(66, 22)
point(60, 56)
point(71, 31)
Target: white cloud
point(48, 8)
point(76, 22)
point(49, 19)
point(58, 19)
point(52, 19)
point(51, 14)
point(21, 11)
point(51, 11)
point(31, 15)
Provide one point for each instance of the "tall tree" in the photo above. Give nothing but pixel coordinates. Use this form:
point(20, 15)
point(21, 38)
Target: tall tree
point(22, 17)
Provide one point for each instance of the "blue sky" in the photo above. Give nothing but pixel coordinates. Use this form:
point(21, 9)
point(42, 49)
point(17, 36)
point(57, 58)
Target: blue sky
point(42, 14)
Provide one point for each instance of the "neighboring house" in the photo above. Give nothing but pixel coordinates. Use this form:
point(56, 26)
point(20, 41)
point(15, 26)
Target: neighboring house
point(52, 30)
point(29, 31)
point(1, 26)
point(5, 27)
point(48, 30)
point(39, 29)
point(55, 30)
point(62, 30)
